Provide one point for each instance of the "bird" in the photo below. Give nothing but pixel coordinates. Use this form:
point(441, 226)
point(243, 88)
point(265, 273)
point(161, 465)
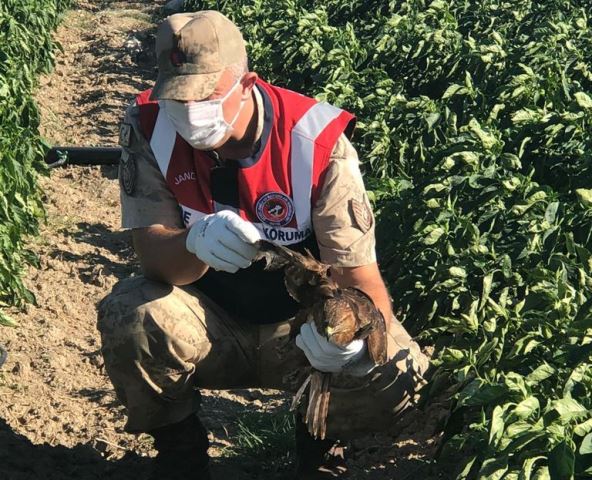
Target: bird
point(340, 314)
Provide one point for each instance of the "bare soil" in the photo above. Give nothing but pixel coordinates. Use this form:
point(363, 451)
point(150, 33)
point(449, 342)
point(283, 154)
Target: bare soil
point(59, 418)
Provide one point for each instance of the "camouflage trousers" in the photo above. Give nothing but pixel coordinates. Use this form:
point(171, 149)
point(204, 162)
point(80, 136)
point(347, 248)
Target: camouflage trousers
point(162, 343)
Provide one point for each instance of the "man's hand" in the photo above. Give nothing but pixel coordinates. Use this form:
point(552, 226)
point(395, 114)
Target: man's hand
point(327, 357)
point(223, 241)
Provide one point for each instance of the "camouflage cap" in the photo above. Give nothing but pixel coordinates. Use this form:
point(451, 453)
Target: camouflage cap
point(192, 51)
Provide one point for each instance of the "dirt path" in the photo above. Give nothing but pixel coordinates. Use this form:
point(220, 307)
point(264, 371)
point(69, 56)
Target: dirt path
point(59, 418)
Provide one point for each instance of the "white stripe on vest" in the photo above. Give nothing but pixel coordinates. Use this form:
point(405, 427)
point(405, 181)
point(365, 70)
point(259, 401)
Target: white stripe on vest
point(303, 137)
point(163, 141)
point(304, 134)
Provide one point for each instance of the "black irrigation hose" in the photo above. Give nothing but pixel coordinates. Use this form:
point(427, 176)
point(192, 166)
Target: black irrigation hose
point(60, 156)
point(3, 355)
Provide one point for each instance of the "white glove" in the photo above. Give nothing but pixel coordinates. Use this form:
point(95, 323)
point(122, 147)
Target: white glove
point(224, 241)
point(327, 357)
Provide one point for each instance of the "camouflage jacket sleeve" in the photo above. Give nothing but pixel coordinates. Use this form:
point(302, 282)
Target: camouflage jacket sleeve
point(342, 216)
point(145, 198)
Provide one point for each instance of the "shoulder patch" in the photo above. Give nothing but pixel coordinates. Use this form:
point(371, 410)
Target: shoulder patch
point(127, 175)
point(362, 214)
point(125, 134)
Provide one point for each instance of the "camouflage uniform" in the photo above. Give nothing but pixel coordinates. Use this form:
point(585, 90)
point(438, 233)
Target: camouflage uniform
point(161, 343)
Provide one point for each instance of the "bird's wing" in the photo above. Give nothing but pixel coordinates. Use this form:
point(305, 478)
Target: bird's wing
point(305, 277)
point(302, 316)
point(276, 257)
point(371, 324)
point(377, 341)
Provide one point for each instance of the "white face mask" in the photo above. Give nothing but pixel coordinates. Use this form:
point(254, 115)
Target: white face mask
point(201, 124)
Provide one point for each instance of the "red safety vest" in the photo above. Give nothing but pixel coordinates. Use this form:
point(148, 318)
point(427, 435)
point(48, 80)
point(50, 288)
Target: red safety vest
point(278, 191)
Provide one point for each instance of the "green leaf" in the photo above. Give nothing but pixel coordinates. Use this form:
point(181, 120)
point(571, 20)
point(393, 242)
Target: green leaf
point(527, 467)
point(586, 445)
point(583, 428)
point(542, 372)
point(496, 429)
point(584, 196)
point(433, 236)
point(6, 320)
point(457, 272)
point(464, 474)
point(526, 408)
point(493, 469)
point(485, 290)
point(542, 473)
point(583, 100)
point(468, 158)
point(561, 461)
point(551, 212)
point(568, 408)
point(479, 392)
point(454, 89)
point(487, 139)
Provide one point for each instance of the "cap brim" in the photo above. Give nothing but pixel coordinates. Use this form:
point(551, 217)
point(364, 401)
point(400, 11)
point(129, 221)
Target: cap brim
point(185, 87)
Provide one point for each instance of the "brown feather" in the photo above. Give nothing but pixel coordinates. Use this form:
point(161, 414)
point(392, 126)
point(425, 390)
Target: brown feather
point(318, 405)
point(298, 396)
point(321, 431)
point(313, 395)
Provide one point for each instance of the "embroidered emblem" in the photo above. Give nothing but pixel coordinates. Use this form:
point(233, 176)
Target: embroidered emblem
point(127, 175)
point(125, 134)
point(362, 214)
point(275, 208)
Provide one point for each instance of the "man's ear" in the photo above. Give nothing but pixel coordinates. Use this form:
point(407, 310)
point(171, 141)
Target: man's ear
point(248, 83)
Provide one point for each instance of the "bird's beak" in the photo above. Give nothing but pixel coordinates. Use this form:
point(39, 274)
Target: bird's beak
point(330, 331)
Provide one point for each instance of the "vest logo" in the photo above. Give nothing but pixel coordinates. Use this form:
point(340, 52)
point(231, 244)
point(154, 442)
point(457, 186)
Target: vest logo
point(275, 208)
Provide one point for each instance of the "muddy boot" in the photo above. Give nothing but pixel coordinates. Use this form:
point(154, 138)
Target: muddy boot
point(182, 451)
point(317, 459)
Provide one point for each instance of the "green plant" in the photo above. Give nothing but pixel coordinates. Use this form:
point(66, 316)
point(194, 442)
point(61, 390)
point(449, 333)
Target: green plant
point(26, 49)
point(266, 437)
